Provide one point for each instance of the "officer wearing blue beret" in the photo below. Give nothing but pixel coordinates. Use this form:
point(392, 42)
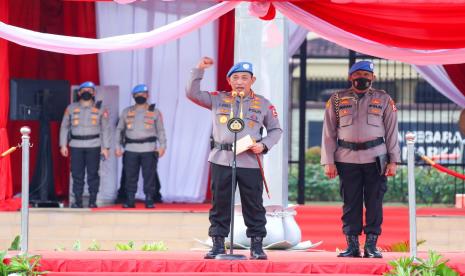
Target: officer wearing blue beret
point(258, 113)
point(140, 132)
point(85, 127)
point(360, 144)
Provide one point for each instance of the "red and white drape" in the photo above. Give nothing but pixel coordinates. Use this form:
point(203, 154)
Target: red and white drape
point(429, 34)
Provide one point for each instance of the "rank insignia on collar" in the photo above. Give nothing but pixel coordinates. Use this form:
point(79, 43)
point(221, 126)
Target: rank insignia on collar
point(251, 124)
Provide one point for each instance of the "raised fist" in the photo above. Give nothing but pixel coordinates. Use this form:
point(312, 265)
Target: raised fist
point(205, 63)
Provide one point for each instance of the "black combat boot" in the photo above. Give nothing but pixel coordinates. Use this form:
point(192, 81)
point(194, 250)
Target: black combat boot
point(77, 202)
point(130, 201)
point(370, 247)
point(218, 248)
point(256, 249)
point(353, 248)
point(149, 202)
point(93, 201)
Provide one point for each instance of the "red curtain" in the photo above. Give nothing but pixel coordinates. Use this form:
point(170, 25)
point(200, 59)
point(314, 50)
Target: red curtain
point(456, 73)
point(5, 169)
point(225, 49)
point(51, 16)
point(406, 25)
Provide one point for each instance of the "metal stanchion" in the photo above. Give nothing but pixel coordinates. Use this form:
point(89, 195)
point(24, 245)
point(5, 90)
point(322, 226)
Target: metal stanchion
point(410, 138)
point(25, 144)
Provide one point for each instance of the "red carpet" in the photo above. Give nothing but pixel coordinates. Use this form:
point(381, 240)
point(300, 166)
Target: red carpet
point(163, 207)
point(192, 263)
point(319, 223)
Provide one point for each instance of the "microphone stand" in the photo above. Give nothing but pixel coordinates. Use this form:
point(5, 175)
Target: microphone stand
point(235, 125)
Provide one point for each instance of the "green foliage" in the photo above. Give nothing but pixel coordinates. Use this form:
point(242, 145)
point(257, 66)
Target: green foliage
point(125, 247)
point(77, 245)
point(3, 266)
point(25, 265)
point(403, 246)
point(94, 246)
point(433, 266)
point(15, 244)
point(154, 246)
point(432, 186)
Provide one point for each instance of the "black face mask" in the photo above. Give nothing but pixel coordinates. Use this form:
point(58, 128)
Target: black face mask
point(86, 96)
point(140, 100)
point(361, 83)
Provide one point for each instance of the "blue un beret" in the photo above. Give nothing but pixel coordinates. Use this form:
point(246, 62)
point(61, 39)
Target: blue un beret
point(87, 84)
point(363, 65)
point(140, 88)
point(241, 67)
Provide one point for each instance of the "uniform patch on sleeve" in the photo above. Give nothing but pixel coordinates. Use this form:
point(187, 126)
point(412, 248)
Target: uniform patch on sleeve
point(273, 111)
point(105, 113)
point(393, 105)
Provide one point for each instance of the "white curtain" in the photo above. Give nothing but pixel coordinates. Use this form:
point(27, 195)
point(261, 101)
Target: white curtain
point(165, 69)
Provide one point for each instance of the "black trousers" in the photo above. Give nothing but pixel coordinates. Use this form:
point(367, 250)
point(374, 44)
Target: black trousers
point(85, 160)
point(250, 189)
point(133, 162)
point(361, 183)
point(122, 193)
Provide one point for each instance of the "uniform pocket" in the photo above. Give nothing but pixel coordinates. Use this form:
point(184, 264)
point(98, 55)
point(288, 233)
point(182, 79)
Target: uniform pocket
point(346, 120)
point(374, 119)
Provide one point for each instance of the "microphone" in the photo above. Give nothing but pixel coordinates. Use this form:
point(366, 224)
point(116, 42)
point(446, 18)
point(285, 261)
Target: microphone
point(234, 93)
point(242, 94)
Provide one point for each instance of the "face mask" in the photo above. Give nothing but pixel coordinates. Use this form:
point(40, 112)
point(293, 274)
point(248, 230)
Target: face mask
point(86, 96)
point(361, 83)
point(140, 100)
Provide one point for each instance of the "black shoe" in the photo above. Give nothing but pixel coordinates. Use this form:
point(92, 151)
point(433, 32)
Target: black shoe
point(370, 250)
point(129, 205)
point(77, 205)
point(353, 248)
point(218, 248)
point(149, 204)
point(158, 200)
point(93, 201)
point(256, 249)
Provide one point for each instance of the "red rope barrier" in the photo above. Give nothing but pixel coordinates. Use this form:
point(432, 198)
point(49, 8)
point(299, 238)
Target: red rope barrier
point(442, 168)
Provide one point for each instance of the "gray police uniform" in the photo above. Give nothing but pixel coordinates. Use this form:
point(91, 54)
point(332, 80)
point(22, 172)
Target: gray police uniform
point(258, 112)
point(356, 129)
point(141, 133)
point(87, 129)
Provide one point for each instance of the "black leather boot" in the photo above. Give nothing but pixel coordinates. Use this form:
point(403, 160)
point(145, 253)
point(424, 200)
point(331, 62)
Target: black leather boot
point(77, 202)
point(149, 203)
point(353, 248)
point(256, 249)
point(370, 247)
point(93, 201)
point(130, 202)
point(218, 248)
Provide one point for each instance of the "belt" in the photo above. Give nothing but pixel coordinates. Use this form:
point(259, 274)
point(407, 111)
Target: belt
point(220, 146)
point(84, 137)
point(140, 141)
point(361, 146)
